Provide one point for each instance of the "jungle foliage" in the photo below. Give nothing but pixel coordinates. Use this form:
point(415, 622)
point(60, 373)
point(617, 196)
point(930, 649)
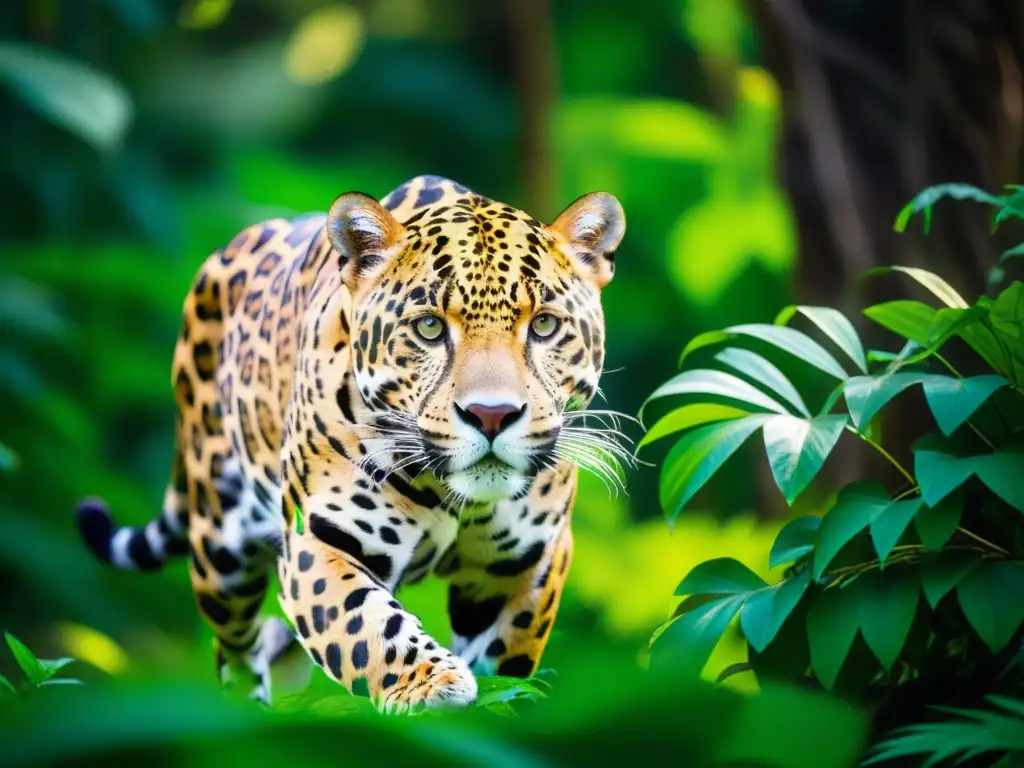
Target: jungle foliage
point(912, 587)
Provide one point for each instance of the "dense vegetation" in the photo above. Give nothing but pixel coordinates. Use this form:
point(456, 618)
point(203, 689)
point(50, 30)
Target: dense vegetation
point(837, 602)
point(902, 594)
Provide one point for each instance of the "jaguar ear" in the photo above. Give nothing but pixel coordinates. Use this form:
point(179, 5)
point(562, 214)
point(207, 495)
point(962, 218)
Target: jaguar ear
point(593, 226)
point(365, 235)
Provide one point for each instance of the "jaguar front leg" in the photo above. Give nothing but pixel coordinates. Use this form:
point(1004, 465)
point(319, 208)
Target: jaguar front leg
point(353, 627)
point(502, 623)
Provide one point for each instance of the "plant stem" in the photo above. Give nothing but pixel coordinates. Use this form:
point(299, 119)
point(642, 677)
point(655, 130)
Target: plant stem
point(984, 439)
point(885, 453)
point(980, 540)
point(949, 365)
point(908, 492)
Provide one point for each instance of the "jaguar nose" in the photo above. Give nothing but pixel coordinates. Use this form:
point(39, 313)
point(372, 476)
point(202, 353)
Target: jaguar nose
point(491, 420)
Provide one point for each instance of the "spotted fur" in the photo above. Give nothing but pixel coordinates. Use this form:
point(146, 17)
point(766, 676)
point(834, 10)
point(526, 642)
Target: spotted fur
point(319, 428)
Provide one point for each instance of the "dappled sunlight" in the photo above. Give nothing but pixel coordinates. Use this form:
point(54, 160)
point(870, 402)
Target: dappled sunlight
point(324, 44)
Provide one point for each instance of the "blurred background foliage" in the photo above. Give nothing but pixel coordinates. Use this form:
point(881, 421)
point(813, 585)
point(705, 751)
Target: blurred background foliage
point(140, 135)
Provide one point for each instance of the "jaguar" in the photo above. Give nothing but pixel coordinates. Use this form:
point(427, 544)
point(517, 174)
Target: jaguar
point(366, 397)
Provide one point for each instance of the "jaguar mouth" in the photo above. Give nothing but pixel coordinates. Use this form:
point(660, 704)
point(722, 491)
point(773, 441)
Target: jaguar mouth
point(489, 479)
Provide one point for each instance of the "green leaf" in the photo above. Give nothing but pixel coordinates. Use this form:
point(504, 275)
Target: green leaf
point(939, 474)
point(5, 686)
point(866, 395)
point(62, 681)
point(687, 416)
point(702, 340)
point(721, 576)
point(1012, 253)
point(909, 319)
point(797, 449)
point(759, 369)
point(886, 604)
point(688, 641)
point(697, 456)
point(51, 667)
point(1007, 313)
point(795, 540)
point(72, 94)
point(718, 383)
point(992, 598)
point(26, 659)
point(925, 199)
point(798, 344)
point(953, 742)
point(497, 689)
point(942, 290)
point(889, 525)
point(943, 571)
point(953, 400)
point(936, 524)
point(831, 628)
point(857, 505)
point(766, 610)
point(833, 324)
point(786, 339)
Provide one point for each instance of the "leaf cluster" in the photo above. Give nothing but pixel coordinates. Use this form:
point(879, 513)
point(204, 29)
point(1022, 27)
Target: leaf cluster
point(889, 585)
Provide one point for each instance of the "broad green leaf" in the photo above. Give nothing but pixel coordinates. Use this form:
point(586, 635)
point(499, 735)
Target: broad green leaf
point(866, 395)
point(909, 319)
point(51, 667)
point(786, 339)
point(945, 324)
point(762, 371)
point(797, 449)
point(687, 642)
point(1007, 318)
point(72, 94)
point(697, 456)
point(833, 324)
point(935, 525)
point(886, 604)
point(798, 344)
point(942, 290)
point(939, 474)
point(857, 505)
point(766, 610)
point(926, 198)
point(992, 598)
point(953, 400)
point(943, 571)
point(795, 540)
point(986, 344)
point(831, 628)
point(687, 416)
point(717, 383)
point(721, 576)
point(26, 659)
point(702, 340)
point(889, 525)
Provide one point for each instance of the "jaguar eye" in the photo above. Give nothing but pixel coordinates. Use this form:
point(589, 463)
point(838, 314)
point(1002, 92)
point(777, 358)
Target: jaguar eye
point(429, 328)
point(544, 325)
